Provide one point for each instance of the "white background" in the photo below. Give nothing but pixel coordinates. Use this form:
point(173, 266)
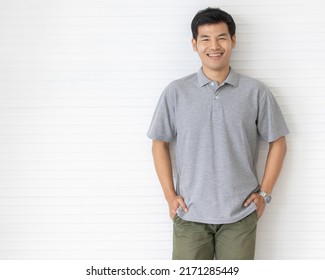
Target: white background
point(79, 81)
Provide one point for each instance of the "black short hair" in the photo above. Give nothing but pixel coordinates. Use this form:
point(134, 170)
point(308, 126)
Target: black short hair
point(210, 16)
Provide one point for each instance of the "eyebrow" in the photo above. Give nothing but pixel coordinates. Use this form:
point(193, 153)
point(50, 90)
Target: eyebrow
point(223, 34)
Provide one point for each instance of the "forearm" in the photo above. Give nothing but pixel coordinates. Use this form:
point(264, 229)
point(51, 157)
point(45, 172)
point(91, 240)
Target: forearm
point(163, 165)
point(274, 162)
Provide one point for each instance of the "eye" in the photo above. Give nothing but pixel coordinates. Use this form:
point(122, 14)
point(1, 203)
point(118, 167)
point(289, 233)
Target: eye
point(222, 38)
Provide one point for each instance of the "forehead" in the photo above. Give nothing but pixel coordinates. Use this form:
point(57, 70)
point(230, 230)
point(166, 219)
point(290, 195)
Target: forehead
point(213, 29)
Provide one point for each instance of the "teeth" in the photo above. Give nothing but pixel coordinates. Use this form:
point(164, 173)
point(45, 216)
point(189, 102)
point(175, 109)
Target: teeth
point(215, 55)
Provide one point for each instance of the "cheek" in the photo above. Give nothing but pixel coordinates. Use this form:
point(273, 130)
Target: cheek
point(201, 49)
point(202, 54)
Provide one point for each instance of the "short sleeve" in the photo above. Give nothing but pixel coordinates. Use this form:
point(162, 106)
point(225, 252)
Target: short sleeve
point(162, 126)
point(270, 122)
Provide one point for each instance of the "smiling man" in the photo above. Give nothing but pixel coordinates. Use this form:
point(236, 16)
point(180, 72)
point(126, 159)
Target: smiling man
point(217, 117)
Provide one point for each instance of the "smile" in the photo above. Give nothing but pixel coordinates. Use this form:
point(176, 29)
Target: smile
point(215, 56)
point(212, 55)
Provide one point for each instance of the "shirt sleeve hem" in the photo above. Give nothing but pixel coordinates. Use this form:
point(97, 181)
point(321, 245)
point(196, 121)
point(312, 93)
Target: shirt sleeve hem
point(160, 138)
point(277, 136)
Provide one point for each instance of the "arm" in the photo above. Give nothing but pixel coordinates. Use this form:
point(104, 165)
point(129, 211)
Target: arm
point(163, 165)
point(274, 161)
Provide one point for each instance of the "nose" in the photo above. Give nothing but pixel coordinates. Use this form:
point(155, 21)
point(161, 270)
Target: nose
point(214, 45)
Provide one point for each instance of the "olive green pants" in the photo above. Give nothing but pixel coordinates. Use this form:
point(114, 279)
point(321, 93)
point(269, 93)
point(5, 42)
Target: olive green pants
point(198, 241)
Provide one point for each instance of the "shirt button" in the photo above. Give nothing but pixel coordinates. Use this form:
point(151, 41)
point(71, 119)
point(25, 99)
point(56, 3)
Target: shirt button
point(212, 84)
point(216, 97)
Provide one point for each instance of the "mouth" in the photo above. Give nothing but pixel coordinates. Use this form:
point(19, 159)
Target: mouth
point(215, 55)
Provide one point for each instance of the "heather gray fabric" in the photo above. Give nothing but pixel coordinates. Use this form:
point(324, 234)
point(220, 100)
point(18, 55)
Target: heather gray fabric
point(216, 129)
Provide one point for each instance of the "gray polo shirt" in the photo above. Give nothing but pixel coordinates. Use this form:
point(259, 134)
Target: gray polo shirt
point(217, 130)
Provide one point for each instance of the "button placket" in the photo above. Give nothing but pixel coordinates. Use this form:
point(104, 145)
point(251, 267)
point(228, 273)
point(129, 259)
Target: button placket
point(215, 89)
point(216, 93)
point(216, 103)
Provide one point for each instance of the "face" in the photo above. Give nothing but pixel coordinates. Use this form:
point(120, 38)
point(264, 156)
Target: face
point(214, 46)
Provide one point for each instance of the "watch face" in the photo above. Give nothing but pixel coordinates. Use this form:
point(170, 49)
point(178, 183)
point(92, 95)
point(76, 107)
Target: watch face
point(268, 198)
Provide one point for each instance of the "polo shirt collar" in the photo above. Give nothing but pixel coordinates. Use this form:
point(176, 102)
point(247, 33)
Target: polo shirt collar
point(232, 78)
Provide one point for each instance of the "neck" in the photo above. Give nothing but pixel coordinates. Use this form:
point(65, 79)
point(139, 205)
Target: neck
point(218, 76)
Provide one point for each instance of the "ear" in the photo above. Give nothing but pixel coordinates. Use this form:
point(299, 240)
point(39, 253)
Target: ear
point(194, 45)
point(233, 40)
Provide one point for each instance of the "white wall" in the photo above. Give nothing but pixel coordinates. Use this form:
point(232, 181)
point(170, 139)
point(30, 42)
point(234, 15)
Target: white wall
point(79, 80)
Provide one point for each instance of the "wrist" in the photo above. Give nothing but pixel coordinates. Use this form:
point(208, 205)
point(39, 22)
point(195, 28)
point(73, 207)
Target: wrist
point(170, 196)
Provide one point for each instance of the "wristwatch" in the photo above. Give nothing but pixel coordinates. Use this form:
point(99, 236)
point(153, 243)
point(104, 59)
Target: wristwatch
point(266, 197)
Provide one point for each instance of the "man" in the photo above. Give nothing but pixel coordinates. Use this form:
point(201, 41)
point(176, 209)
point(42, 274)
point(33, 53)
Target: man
point(216, 117)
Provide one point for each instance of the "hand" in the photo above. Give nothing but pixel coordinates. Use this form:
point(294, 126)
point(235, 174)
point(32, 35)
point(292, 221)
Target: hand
point(259, 202)
point(173, 205)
